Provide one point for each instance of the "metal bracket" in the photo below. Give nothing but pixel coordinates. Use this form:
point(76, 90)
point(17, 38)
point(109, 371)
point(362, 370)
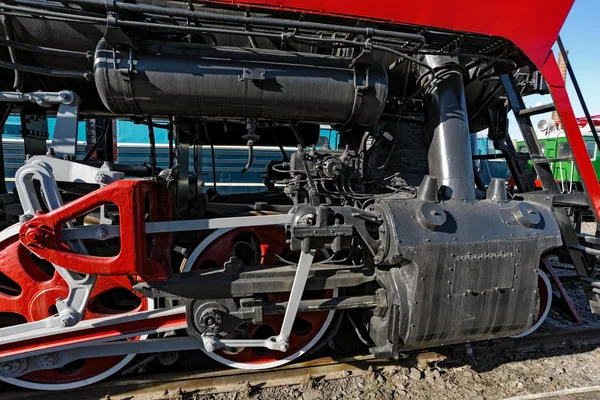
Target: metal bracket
point(113, 34)
point(129, 70)
point(365, 57)
point(64, 141)
point(254, 74)
point(314, 223)
point(42, 234)
point(68, 171)
point(71, 309)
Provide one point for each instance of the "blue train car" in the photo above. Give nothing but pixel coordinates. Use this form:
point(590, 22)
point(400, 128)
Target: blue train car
point(133, 147)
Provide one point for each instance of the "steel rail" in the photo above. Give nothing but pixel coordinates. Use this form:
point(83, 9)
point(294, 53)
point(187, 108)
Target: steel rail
point(237, 380)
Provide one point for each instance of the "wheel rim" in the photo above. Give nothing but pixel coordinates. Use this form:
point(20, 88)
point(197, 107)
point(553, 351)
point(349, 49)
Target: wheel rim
point(28, 291)
point(545, 293)
point(263, 243)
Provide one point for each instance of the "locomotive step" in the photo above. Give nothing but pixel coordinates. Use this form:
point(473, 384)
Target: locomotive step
point(544, 160)
point(544, 108)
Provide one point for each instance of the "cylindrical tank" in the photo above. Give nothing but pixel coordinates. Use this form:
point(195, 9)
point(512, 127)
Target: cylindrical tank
point(447, 124)
point(228, 82)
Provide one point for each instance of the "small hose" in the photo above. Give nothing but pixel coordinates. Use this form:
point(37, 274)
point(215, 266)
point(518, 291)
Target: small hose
point(250, 156)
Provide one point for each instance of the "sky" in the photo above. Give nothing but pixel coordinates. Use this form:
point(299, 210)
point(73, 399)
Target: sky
point(581, 37)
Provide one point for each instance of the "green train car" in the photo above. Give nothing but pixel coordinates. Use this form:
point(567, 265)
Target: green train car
point(554, 145)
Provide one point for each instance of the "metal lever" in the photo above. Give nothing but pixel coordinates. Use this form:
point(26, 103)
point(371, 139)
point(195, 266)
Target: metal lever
point(281, 341)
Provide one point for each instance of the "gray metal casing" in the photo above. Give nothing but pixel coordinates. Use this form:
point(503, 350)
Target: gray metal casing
point(473, 278)
point(228, 82)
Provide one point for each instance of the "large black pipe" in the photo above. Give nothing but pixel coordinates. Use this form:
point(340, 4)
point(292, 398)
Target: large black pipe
point(162, 79)
point(447, 124)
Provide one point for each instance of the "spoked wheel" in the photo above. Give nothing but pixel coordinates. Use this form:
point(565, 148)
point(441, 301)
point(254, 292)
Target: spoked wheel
point(260, 246)
point(545, 293)
point(29, 287)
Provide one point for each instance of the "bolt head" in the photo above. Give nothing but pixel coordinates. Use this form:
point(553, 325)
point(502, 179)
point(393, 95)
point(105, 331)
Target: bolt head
point(68, 320)
point(34, 235)
point(65, 97)
point(101, 177)
point(25, 217)
point(47, 360)
point(284, 346)
point(101, 233)
point(12, 368)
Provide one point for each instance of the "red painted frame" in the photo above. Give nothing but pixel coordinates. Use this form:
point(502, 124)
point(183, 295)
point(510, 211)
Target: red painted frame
point(42, 234)
point(558, 89)
point(531, 25)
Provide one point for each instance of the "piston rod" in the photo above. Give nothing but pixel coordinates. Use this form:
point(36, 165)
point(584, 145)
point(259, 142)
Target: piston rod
point(333, 304)
point(104, 232)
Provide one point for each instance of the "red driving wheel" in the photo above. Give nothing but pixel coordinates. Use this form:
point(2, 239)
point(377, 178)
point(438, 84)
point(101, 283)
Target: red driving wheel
point(261, 246)
point(29, 287)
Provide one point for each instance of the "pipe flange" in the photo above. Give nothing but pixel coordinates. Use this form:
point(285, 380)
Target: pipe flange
point(526, 214)
point(431, 216)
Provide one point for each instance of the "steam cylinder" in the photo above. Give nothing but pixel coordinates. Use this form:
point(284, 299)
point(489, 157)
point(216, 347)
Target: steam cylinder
point(183, 79)
point(447, 124)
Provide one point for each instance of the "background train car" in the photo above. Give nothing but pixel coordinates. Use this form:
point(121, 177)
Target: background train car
point(133, 148)
point(554, 144)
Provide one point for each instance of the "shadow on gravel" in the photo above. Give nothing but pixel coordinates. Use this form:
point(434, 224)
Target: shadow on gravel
point(487, 358)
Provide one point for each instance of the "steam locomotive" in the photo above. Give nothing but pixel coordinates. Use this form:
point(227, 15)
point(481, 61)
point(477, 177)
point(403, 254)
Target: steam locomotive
point(101, 260)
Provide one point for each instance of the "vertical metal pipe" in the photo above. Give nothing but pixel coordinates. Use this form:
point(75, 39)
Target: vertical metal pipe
point(447, 125)
point(4, 114)
point(109, 142)
point(152, 147)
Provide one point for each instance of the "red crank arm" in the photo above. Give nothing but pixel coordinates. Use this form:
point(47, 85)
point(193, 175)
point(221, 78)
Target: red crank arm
point(42, 234)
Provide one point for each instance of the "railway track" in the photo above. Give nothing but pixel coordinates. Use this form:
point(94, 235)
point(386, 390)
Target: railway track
point(186, 385)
